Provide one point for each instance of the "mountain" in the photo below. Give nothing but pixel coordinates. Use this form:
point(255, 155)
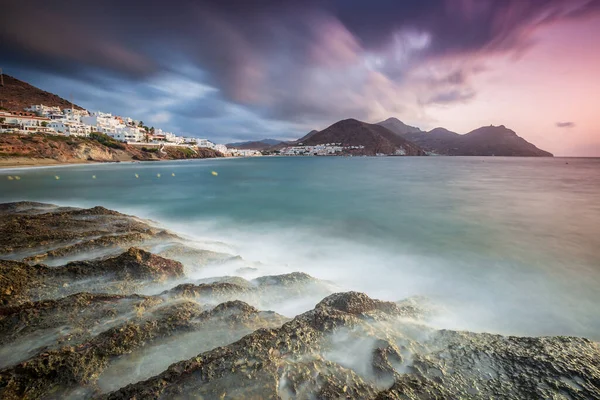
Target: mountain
point(438, 140)
point(484, 141)
point(255, 145)
point(307, 136)
point(17, 95)
point(375, 138)
point(398, 127)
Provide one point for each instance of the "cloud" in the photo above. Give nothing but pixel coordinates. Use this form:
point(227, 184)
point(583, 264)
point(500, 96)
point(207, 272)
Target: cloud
point(302, 64)
point(565, 124)
point(452, 96)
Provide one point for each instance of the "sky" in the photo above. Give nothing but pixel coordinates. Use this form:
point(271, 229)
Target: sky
point(234, 70)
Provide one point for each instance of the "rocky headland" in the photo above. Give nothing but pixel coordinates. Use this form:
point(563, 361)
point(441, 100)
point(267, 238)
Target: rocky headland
point(98, 304)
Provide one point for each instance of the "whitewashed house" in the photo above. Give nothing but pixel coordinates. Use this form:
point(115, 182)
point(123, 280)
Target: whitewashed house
point(221, 148)
point(41, 109)
point(26, 121)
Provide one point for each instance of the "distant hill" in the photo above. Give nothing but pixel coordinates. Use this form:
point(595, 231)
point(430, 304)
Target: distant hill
point(398, 127)
point(484, 141)
point(375, 138)
point(255, 145)
point(17, 95)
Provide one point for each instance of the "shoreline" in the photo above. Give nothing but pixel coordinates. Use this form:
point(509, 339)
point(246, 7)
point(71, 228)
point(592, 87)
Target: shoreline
point(34, 163)
point(11, 163)
point(26, 162)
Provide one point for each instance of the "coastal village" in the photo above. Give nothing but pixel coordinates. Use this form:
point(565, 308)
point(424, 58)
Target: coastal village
point(40, 118)
point(53, 120)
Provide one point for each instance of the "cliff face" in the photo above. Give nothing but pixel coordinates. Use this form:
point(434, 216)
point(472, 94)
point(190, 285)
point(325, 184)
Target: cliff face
point(65, 149)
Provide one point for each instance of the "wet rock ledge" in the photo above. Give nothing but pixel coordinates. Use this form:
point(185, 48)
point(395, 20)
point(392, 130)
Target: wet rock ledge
point(98, 304)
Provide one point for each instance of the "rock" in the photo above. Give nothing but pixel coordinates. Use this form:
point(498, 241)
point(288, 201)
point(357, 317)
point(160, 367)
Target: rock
point(20, 282)
point(133, 264)
point(264, 292)
point(36, 232)
point(120, 345)
point(58, 372)
point(288, 362)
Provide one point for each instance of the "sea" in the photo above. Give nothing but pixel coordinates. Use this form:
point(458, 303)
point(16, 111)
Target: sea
point(500, 245)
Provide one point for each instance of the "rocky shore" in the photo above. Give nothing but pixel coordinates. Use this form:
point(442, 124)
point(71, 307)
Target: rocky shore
point(98, 304)
point(17, 150)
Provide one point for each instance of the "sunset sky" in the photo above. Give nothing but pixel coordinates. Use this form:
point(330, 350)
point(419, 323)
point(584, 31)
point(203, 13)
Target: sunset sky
point(239, 70)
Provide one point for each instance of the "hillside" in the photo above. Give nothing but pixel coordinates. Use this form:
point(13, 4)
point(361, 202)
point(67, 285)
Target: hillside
point(307, 136)
point(398, 127)
point(484, 141)
point(16, 95)
point(375, 138)
point(43, 149)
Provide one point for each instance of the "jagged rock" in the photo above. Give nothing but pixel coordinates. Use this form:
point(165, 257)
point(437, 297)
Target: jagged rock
point(207, 291)
point(386, 358)
point(288, 363)
point(347, 346)
point(20, 282)
point(29, 328)
point(132, 264)
point(264, 292)
point(292, 349)
point(58, 372)
point(37, 231)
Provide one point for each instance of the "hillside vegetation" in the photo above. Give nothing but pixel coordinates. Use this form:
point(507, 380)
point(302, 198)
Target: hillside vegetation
point(98, 147)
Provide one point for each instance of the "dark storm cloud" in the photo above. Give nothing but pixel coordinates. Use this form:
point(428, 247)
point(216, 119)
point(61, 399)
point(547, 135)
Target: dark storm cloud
point(565, 124)
point(299, 61)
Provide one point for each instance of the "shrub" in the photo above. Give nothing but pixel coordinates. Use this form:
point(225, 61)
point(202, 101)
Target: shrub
point(106, 140)
point(187, 152)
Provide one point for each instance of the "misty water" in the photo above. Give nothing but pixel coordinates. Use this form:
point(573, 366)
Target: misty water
point(504, 245)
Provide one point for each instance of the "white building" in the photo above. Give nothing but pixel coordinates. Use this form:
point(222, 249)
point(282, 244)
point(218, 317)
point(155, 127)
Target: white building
point(221, 148)
point(75, 111)
point(41, 109)
point(246, 153)
point(26, 121)
point(108, 124)
point(204, 143)
point(70, 128)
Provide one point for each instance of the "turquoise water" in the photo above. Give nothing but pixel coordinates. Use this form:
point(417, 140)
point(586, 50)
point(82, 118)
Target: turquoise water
point(507, 245)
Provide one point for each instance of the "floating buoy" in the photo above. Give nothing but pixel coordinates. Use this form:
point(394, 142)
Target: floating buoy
point(173, 174)
point(137, 176)
point(56, 177)
point(93, 176)
point(158, 175)
point(214, 173)
point(10, 178)
point(17, 177)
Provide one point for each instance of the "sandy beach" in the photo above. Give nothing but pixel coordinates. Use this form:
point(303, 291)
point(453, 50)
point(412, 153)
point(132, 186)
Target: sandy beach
point(19, 162)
